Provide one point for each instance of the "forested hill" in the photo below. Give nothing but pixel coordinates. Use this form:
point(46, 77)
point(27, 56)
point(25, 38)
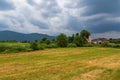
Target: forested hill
point(10, 35)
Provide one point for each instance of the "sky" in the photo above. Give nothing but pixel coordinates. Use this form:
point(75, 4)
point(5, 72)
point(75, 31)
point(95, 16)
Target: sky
point(100, 17)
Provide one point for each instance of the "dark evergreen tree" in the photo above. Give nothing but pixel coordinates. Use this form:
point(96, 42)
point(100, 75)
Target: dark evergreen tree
point(71, 39)
point(77, 39)
point(84, 35)
point(61, 40)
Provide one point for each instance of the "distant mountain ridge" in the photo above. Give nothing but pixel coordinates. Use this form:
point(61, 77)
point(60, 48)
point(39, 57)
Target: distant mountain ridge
point(11, 35)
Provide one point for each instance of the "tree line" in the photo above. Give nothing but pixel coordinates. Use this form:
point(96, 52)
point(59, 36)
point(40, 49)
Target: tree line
point(80, 39)
point(62, 40)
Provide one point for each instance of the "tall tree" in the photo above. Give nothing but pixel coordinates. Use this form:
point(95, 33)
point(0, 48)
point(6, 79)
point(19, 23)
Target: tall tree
point(77, 39)
point(84, 35)
point(61, 40)
point(71, 39)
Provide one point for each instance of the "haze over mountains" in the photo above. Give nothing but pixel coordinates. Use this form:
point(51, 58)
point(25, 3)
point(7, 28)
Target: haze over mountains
point(10, 35)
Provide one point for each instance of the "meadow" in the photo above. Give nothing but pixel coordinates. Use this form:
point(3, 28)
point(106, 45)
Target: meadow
point(10, 47)
point(86, 63)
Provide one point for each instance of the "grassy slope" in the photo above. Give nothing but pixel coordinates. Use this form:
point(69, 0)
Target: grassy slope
point(62, 64)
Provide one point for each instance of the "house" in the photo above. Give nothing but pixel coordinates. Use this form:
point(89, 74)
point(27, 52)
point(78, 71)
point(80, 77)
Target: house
point(100, 40)
point(89, 39)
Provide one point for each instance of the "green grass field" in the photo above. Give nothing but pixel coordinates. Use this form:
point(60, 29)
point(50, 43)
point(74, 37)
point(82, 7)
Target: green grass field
point(13, 47)
point(62, 64)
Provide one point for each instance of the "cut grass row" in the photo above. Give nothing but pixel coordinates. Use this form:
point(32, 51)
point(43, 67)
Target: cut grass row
point(62, 64)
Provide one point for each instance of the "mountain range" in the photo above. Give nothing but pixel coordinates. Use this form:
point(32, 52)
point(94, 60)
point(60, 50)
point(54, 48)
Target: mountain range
point(10, 35)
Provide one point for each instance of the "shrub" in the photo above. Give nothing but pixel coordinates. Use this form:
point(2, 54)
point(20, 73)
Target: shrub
point(34, 46)
point(42, 46)
point(88, 45)
point(3, 48)
point(16, 49)
point(21, 48)
point(116, 46)
point(72, 45)
point(52, 45)
point(105, 44)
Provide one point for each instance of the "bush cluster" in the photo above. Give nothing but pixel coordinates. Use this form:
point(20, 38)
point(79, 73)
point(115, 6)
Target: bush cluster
point(52, 45)
point(106, 44)
point(72, 45)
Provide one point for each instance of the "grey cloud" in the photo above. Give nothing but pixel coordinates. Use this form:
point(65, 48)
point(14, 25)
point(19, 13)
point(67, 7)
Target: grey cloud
point(49, 7)
point(5, 5)
point(74, 24)
point(3, 25)
point(31, 2)
point(105, 27)
point(102, 6)
point(41, 25)
point(100, 25)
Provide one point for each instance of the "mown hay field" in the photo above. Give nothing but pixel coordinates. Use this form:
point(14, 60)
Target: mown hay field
point(62, 64)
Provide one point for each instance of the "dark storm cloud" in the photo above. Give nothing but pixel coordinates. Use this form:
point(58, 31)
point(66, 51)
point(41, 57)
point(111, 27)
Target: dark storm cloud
point(5, 5)
point(99, 7)
point(102, 6)
point(105, 27)
point(110, 7)
point(74, 24)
